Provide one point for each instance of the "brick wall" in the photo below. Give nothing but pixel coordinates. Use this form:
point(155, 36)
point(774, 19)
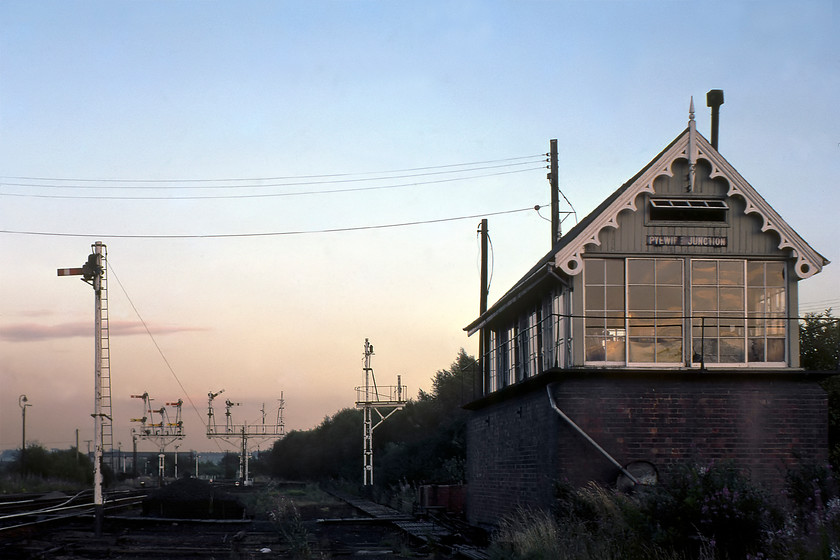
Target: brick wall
point(517, 446)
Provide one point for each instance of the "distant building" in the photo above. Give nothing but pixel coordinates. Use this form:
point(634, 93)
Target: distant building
point(9, 456)
point(664, 326)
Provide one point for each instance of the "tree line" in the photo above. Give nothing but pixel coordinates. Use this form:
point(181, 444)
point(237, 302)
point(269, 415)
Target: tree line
point(423, 443)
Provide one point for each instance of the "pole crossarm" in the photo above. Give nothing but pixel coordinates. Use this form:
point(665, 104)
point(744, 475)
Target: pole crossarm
point(251, 430)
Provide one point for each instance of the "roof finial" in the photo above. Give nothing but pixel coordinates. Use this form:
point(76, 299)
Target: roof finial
point(692, 146)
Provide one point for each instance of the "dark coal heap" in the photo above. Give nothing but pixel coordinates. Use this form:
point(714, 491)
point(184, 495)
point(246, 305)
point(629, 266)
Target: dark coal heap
point(190, 498)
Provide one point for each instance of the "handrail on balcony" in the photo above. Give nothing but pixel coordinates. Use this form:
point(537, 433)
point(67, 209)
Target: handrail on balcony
point(383, 394)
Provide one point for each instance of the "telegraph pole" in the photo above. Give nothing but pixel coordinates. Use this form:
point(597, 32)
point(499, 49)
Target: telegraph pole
point(555, 193)
point(482, 308)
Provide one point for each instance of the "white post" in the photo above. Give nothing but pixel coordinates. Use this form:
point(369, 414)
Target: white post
point(368, 421)
point(98, 502)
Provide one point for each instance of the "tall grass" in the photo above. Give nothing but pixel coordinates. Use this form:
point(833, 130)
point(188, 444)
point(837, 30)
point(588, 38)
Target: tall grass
point(705, 513)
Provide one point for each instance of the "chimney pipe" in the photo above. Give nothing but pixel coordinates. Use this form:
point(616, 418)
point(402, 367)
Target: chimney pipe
point(714, 99)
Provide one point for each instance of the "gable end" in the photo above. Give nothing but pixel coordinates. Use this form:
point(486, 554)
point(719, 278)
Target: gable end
point(690, 146)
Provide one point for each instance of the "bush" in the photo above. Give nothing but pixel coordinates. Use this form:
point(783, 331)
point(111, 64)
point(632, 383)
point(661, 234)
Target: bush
point(716, 506)
point(706, 513)
point(813, 528)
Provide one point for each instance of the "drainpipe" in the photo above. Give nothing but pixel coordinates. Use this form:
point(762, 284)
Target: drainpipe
point(586, 436)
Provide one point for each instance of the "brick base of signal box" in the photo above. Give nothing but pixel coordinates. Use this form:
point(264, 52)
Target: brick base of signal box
point(518, 447)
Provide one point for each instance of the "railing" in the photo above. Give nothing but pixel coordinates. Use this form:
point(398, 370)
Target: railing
point(518, 352)
point(381, 393)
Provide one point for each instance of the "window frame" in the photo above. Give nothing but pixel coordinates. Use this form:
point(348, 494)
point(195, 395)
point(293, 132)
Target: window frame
point(745, 338)
point(757, 327)
point(658, 315)
point(682, 210)
point(605, 314)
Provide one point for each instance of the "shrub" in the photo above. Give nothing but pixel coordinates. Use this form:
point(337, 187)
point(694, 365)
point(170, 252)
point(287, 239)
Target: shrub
point(814, 517)
point(705, 513)
point(288, 522)
point(713, 506)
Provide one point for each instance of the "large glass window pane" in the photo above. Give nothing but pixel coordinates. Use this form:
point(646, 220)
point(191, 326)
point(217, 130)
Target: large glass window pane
point(670, 325)
point(669, 271)
point(705, 350)
point(641, 327)
point(655, 308)
point(615, 324)
point(668, 350)
point(614, 271)
point(593, 269)
point(775, 327)
point(775, 349)
point(731, 350)
point(755, 273)
point(775, 301)
point(595, 299)
point(703, 273)
point(732, 299)
point(641, 298)
point(747, 323)
point(775, 274)
point(755, 300)
point(615, 350)
point(595, 349)
point(669, 298)
point(642, 350)
point(756, 350)
point(767, 301)
point(615, 298)
point(705, 328)
point(704, 299)
point(640, 271)
point(493, 365)
point(731, 324)
point(605, 310)
point(596, 330)
point(649, 308)
point(731, 273)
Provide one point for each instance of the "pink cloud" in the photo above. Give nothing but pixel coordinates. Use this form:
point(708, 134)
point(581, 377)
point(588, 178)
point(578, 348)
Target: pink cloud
point(31, 332)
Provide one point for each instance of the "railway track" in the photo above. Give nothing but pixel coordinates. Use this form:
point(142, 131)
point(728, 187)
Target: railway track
point(56, 526)
point(21, 511)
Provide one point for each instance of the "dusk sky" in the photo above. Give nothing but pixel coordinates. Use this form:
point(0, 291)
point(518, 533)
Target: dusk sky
point(241, 161)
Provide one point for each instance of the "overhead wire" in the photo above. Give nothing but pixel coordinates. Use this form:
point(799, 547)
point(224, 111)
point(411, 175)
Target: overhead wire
point(157, 346)
point(245, 183)
point(266, 234)
point(276, 178)
point(262, 195)
point(819, 306)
